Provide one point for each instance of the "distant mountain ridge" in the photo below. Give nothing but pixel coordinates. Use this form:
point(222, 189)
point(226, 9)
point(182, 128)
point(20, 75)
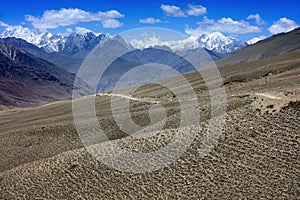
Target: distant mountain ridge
point(279, 44)
point(215, 42)
point(45, 40)
point(126, 58)
point(78, 45)
point(74, 45)
point(28, 77)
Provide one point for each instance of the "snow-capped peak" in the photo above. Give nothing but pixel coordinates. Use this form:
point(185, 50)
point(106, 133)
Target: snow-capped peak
point(256, 39)
point(45, 40)
point(215, 42)
point(219, 43)
point(54, 42)
point(175, 45)
point(20, 32)
point(214, 39)
point(84, 39)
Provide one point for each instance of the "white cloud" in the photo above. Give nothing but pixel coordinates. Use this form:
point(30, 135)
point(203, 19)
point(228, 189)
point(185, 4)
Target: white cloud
point(82, 30)
point(224, 25)
point(79, 30)
point(3, 24)
point(149, 20)
point(69, 30)
point(206, 21)
point(66, 17)
point(173, 11)
point(283, 25)
point(257, 18)
point(111, 23)
point(196, 10)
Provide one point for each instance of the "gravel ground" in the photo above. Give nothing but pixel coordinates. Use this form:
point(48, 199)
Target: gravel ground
point(256, 156)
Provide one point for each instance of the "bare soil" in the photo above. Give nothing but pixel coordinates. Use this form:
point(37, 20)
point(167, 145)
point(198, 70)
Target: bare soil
point(257, 155)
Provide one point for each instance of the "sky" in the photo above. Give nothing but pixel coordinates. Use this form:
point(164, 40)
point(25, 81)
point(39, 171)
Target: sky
point(242, 19)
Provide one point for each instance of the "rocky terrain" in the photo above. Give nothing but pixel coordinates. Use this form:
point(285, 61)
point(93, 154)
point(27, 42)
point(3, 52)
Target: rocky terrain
point(256, 156)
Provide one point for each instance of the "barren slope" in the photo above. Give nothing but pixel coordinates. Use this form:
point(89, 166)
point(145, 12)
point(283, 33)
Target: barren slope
point(257, 155)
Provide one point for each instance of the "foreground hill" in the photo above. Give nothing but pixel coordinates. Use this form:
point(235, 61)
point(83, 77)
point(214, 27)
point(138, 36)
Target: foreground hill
point(276, 45)
point(26, 80)
point(257, 155)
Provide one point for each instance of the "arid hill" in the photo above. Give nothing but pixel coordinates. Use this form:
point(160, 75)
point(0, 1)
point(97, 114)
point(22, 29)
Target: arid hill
point(257, 155)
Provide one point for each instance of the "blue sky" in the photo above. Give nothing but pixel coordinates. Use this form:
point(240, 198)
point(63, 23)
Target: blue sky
point(243, 19)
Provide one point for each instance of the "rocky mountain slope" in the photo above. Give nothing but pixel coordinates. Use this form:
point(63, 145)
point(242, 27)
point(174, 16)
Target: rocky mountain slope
point(275, 45)
point(26, 80)
point(68, 63)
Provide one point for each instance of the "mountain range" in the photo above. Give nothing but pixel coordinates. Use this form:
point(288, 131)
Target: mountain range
point(80, 44)
point(215, 42)
point(282, 43)
point(31, 74)
point(68, 52)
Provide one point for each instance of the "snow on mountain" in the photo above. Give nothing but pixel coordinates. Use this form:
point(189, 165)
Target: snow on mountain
point(175, 45)
point(256, 39)
point(70, 45)
point(45, 40)
point(216, 42)
point(220, 44)
point(27, 34)
point(51, 43)
point(79, 44)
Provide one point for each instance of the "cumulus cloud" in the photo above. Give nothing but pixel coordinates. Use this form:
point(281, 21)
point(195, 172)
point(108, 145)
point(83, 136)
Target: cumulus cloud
point(196, 10)
point(69, 30)
point(111, 23)
point(283, 25)
point(257, 18)
point(64, 17)
point(3, 24)
point(224, 25)
point(171, 10)
point(82, 30)
point(79, 30)
point(149, 20)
